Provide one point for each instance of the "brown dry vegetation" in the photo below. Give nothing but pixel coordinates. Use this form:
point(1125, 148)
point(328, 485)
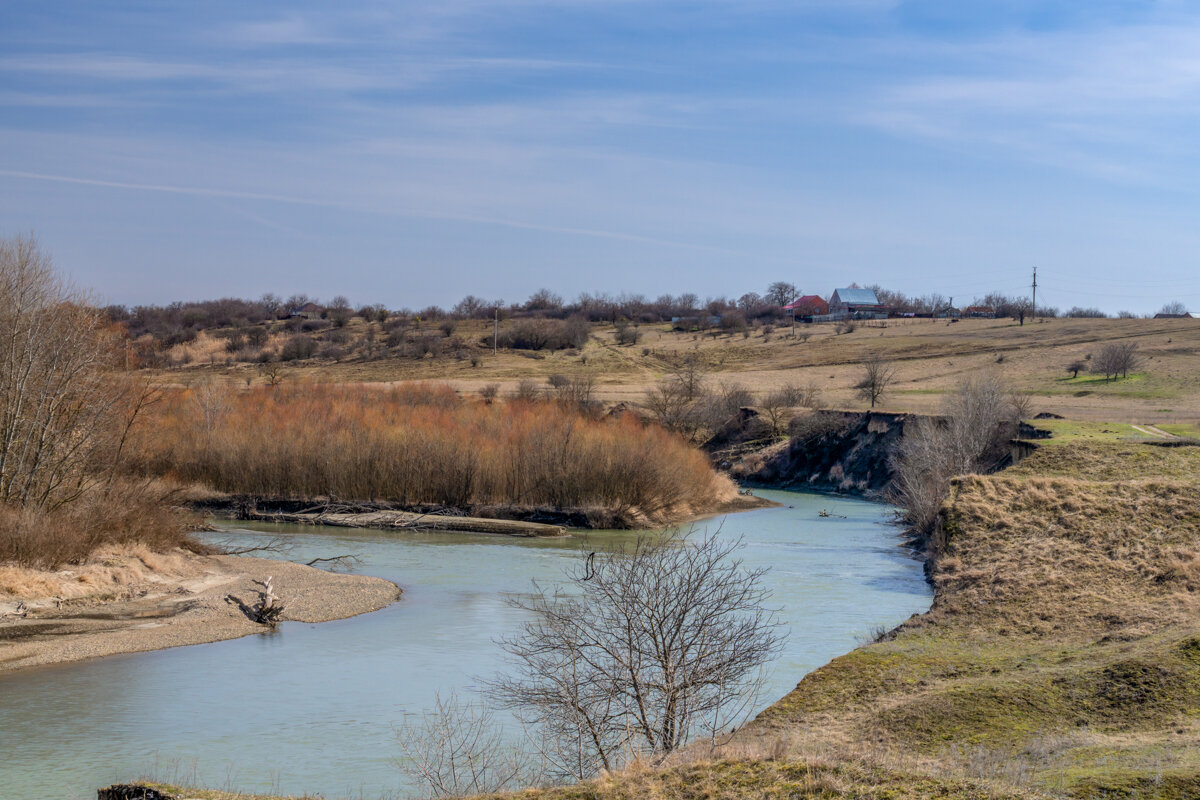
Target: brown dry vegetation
point(930, 357)
point(420, 444)
point(122, 513)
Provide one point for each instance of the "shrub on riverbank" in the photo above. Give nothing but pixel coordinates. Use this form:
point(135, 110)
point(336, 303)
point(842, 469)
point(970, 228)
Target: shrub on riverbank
point(124, 513)
point(422, 444)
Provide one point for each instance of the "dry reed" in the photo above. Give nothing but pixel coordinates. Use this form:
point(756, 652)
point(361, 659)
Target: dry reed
point(421, 444)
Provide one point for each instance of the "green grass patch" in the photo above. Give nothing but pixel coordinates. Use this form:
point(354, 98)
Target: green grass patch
point(1090, 380)
point(1069, 431)
point(1186, 430)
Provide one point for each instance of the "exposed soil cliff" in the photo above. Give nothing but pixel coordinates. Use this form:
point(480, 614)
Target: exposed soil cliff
point(847, 452)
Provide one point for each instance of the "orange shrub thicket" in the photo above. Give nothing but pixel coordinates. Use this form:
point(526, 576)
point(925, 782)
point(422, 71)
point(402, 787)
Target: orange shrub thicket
point(420, 443)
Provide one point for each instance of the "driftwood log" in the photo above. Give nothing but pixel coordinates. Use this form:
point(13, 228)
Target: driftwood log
point(129, 791)
point(406, 520)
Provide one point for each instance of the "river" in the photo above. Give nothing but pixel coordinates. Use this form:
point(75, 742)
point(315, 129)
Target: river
point(312, 708)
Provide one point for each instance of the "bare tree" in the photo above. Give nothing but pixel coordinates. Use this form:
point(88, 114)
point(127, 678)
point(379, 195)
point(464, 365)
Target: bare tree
point(460, 748)
point(877, 376)
point(1116, 359)
point(780, 293)
point(777, 404)
point(648, 648)
point(1021, 405)
point(1075, 366)
point(1174, 308)
point(62, 414)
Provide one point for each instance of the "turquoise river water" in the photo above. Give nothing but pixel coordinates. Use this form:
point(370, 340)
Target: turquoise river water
point(312, 708)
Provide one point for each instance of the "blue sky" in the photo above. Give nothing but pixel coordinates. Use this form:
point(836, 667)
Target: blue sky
point(411, 153)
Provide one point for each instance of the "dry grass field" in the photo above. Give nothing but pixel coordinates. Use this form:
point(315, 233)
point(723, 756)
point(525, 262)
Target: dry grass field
point(930, 357)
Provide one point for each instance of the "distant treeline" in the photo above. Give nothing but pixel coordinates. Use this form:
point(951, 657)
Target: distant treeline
point(180, 322)
point(166, 320)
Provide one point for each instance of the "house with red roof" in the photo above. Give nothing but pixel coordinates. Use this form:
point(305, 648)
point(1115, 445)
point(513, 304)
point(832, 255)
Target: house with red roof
point(808, 305)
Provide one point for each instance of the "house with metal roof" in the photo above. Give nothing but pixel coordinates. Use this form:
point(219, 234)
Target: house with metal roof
point(854, 302)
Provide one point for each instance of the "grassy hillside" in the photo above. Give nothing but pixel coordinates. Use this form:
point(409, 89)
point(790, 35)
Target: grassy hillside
point(1062, 653)
point(930, 355)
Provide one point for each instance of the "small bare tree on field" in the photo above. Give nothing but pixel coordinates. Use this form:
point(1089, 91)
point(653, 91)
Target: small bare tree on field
point(1021, 405)
point(1116, 359)
point(1175, 308)
point(777, 404)
point(877, 377)
point(681, 402)
point(272, 374)
point(1076, 366)
point(651, 647)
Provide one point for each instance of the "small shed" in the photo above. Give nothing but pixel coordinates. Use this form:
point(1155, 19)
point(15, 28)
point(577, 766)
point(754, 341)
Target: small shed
point(308, 311)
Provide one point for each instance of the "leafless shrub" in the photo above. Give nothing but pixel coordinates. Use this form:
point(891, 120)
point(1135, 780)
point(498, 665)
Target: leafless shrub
point(596, 671)
point(933, 451)
point(459, 748)
point(576, 390)
point(810, 395)
point(877, 377)
point(808, 426)
point(60, 411)
point(121, 512)
point(627, 334)
point(489, 392)
point(1021, 405)
point(776, 405)
point(527, 390)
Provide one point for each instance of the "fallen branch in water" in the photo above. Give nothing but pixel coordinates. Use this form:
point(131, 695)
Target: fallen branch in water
point(276, 544)
point(348, 561)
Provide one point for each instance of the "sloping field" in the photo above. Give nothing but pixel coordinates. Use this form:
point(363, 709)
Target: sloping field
point(930, 356)
point(1062, 654)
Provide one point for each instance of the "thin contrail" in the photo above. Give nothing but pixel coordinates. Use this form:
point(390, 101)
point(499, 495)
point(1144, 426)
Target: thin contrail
point(277, 198)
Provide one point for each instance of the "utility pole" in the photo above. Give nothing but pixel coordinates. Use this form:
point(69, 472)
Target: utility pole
point(496, 333)
point(1034, 312)
point(793, 305)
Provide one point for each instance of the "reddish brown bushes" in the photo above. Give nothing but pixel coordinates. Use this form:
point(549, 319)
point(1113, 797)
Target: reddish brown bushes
point(417, 444)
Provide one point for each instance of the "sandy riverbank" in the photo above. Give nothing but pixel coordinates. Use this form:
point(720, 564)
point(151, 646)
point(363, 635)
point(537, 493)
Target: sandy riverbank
point(133, 601)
